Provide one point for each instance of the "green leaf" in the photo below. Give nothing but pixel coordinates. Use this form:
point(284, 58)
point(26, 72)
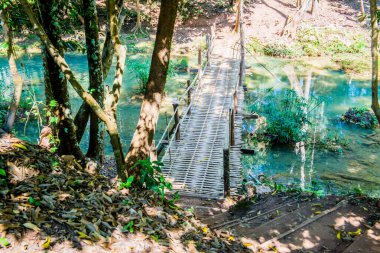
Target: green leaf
point(3, 172)
point(4, 242)
point(53, 120)
point(129, 181)
point(53, 103)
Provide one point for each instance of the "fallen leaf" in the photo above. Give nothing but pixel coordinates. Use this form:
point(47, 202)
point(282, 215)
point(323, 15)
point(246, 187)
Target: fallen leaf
point(338, 235)
point(231, 238)
point(247, 244)
point(273, 248)
point(19, 145)
point(357, 232)
point(317, 212)
point(82, 235)
point(31, 226)
point(46, 244)
point(205, 230)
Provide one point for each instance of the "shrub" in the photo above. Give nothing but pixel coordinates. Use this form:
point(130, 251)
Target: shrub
point(360, 116)
point(255, 46)
point(351, 63)
point(277, 50)
point(140, 69)
point(286, 115)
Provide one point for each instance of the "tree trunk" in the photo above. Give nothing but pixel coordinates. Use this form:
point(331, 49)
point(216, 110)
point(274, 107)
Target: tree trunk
point(86, 96)
point(17, 78)
point(137, 27)
point(64, 129)
point(146, 126)
point(81, 118)
point(375, 59)
point(237, 21)
point(314, 8)
point(91, 27)
point(362, 7)
point(242, 43)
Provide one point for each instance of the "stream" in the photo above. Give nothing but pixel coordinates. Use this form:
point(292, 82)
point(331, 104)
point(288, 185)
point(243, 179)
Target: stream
point(129, 104)
point(355, 167)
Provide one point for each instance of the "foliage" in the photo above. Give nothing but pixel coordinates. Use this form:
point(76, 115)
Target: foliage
point(150, 178)
point(255, 46)
point(332, 141)
point(361, 117)
point(4, 242)
point(352, 63)
point(190, 9)
point(140, 69)
point(313, 42)
point(3, 178)
point(286, 115)
point(279, 50)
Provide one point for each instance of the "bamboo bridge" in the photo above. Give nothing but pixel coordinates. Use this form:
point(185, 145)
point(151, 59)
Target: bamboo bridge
point(201, 150)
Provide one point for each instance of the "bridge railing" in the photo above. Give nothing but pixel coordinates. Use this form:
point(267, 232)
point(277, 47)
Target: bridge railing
point(233, 110)
point(182, 105)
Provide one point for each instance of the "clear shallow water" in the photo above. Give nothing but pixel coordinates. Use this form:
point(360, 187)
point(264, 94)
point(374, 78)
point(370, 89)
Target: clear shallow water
point(128, 110)
point(357, 166)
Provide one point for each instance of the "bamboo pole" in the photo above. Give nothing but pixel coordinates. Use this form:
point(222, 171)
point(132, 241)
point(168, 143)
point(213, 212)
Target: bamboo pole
point(226, 171)
point(199, 64)
point(189, 91)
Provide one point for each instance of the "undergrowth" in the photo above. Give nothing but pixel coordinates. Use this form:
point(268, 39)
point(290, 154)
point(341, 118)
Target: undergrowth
point(348, 51)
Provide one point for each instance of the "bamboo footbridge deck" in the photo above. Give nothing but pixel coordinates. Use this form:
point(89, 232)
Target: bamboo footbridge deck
point(202, 154)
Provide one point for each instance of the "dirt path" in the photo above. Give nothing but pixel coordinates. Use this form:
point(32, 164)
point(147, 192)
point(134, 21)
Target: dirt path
point(299, 223)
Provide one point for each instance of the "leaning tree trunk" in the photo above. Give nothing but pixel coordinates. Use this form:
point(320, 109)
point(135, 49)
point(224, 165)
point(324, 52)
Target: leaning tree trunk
point(91, 27)
point(64, 129)
point(86, 96)
point(375, 59)
point(17, 79)
point(146, 126)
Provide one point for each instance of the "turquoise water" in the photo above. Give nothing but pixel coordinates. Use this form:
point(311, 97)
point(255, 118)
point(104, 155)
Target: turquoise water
point(354, 167)
point(129, 104)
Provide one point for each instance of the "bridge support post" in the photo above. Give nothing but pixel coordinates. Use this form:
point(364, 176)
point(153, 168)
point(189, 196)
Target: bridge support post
point(232, 126)
point(235, 102)
point(189, 91)
point(176, 121)
point(199, 65)
point(208, 45)
point(226, 171)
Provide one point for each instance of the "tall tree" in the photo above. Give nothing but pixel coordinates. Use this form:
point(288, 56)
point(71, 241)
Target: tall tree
point(375, 59)
point(82, 117)
point(55, 81)
point(17, 78)
point(146, 126)
point(91, 27)
point(108, 115)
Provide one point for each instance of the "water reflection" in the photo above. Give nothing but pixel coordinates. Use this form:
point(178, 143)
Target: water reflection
point(128, 110)
point(357, 166)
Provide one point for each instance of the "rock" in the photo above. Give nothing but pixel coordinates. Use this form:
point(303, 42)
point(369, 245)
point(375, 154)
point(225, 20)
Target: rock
point(262, 189)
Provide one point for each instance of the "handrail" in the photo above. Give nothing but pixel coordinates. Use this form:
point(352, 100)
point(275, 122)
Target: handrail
point(194, 82)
